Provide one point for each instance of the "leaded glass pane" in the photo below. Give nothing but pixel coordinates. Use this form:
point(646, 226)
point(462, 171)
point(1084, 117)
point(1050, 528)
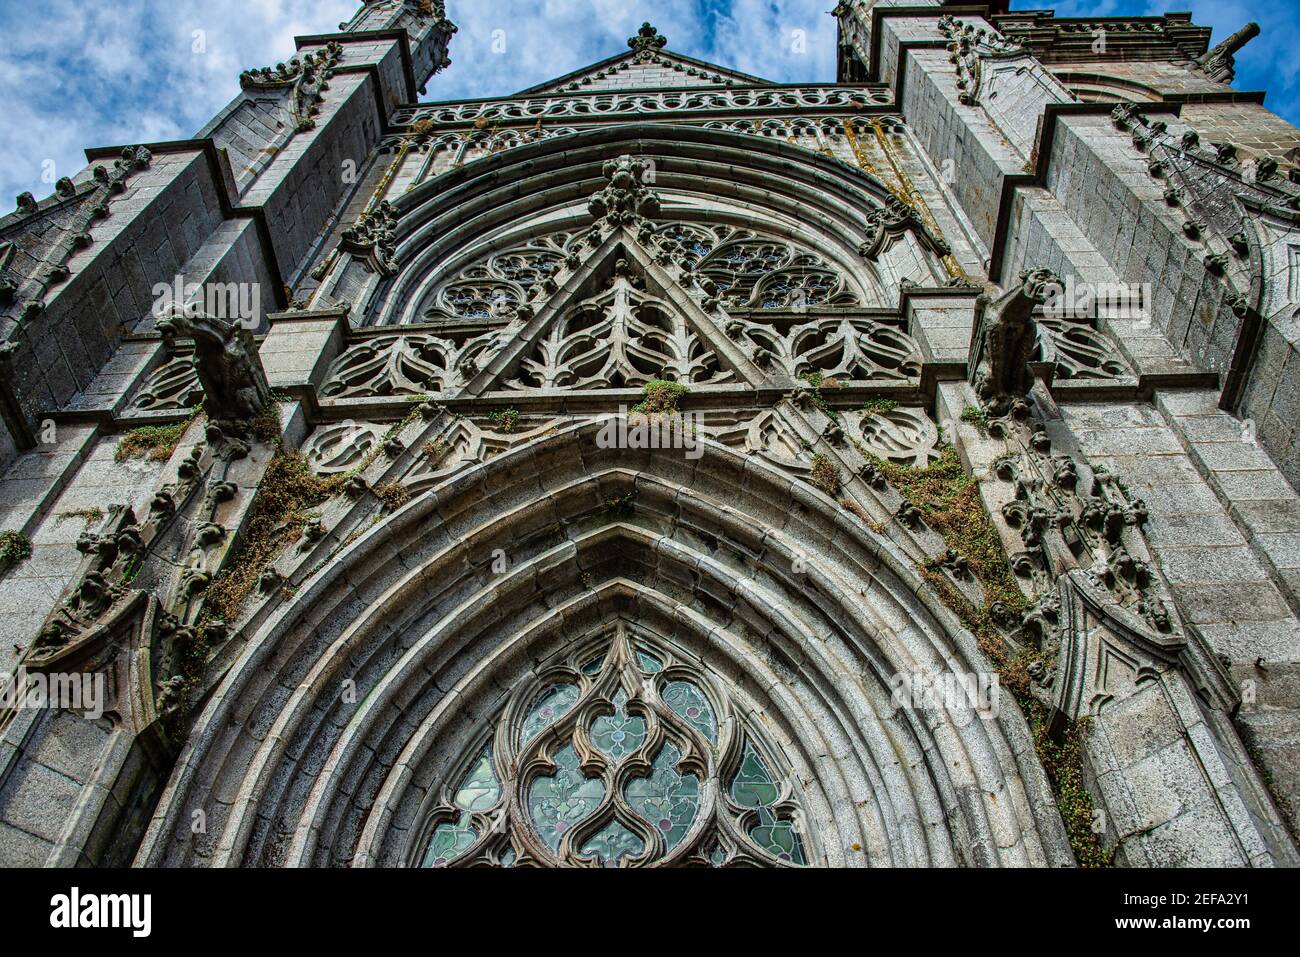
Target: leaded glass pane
point(648, 662)
point(449, 841)
point(777, 836)
point(666, 799)
point(619, 706)
point(619, 734)
point(690, 702)
point(753, 785)
point(557, 803)
point(612, 842)
point(480, 790)
point(553, 703)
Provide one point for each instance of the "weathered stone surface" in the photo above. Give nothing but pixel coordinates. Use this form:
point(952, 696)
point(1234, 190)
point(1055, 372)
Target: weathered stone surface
point(840, 281)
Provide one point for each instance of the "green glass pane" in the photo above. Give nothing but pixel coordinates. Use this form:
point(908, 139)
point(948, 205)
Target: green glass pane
point(507, 857)
point(689, 702)
point(718, 857)
point(666, 799)
point(778, 837)
point(612, 842)
point(649, 663)
point(619, 734)
point(557, 803)
point(449, 841)
point(592, 667)
point(480, 789)
point(553, 703)
point(753, 785)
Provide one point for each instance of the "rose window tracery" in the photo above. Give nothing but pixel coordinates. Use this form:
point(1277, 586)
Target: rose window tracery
point(624, 753)
point(497, 283)
point(754, 272)
point(751, 271)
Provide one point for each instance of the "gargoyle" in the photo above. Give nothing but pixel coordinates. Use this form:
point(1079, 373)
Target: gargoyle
point(1008, 338)
point(226, 361)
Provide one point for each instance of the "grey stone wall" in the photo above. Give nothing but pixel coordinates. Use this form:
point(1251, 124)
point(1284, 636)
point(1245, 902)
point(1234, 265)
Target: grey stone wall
point(917, 181)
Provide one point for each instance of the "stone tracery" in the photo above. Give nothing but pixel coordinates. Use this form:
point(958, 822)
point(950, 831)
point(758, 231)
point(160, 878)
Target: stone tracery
point(616, 755)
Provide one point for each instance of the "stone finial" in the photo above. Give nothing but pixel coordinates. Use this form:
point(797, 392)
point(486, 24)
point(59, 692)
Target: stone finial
point(625, 198)
point(647, 40)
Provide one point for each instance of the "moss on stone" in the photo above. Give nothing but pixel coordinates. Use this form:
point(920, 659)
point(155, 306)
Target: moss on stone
point(659, 397)
point(950, 501)
point(155, 443)
point(90, 516)
point(15, 548)
point(285, 496)
point(826, 475)
point(393, 494)
point(974, 415)
point(504, 420)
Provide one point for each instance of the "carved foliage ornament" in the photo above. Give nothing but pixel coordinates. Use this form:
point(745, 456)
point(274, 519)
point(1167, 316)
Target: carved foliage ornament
point(305, 78)
point(626, 198)
point(968, 46)
point(623, 754)
point(893, 219)
point(372, 238)
point(647, 41)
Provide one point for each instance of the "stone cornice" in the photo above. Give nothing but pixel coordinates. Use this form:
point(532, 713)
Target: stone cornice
point(838, 99)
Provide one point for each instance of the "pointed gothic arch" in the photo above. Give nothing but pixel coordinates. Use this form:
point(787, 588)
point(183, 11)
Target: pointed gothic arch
point(765, 581)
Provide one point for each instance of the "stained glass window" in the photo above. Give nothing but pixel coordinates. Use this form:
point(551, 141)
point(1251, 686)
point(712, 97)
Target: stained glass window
point(615, 744)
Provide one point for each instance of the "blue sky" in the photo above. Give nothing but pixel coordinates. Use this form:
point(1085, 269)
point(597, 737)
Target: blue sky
point(75, 74)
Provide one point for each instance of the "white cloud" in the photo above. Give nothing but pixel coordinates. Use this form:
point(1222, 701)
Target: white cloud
point(76, 74)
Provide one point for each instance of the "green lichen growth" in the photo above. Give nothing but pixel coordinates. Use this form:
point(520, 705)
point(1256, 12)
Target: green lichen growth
point(877, 406)
point(15, 548)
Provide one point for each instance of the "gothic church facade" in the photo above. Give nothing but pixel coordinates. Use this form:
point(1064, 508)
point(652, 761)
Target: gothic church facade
point(664, 466)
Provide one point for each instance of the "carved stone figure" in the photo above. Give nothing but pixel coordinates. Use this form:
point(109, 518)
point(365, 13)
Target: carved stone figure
point(226, 361)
